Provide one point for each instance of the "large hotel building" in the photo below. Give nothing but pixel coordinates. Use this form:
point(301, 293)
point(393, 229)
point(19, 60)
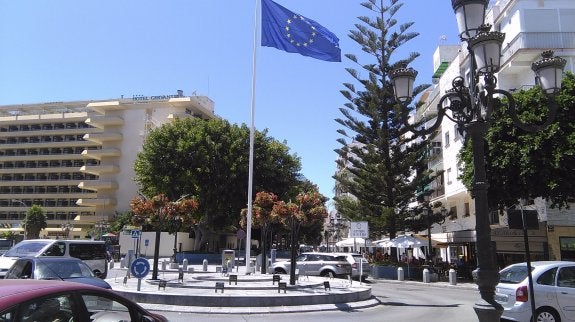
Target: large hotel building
point(76, 159)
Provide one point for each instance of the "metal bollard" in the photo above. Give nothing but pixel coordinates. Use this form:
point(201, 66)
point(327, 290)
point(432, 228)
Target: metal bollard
point(400, 273)
point(123, 262)
point(163, 265)
point(426, 278)
point(205, 265)
point(185, 264)
point(452, 277)
point(111, 264)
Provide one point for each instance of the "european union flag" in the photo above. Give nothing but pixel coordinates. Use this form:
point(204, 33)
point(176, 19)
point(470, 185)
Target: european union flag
point(294, 33)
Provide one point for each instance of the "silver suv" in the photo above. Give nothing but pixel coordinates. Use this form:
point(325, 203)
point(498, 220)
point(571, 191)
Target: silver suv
point(359, 265)
point(316, 264)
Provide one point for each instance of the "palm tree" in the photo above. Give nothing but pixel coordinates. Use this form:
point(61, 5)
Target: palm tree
point(34, 222)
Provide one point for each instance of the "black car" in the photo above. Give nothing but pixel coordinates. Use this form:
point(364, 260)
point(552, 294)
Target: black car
point(54, 268)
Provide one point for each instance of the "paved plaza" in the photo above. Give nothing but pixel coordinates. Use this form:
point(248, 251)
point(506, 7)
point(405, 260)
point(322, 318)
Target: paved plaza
point(206, 289)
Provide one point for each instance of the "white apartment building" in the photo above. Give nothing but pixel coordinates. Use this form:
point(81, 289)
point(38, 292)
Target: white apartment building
point(75, 159)
point(531, 26)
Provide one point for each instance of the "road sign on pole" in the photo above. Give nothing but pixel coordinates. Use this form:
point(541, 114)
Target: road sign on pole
point(136, 233)
point(139, 269)
point(359, 229)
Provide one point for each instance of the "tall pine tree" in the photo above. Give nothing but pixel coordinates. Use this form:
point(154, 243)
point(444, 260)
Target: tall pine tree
point(381, 165)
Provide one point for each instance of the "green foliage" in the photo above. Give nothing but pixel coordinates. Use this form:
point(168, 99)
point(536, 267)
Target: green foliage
point(209, 159)
point(521, 164)
point(10, 235)
point(120, 220)
point(425, 217)
point(35, 221)
point(382, 165)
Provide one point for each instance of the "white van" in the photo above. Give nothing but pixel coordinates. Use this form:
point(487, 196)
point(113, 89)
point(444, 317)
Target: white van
point(91, 252)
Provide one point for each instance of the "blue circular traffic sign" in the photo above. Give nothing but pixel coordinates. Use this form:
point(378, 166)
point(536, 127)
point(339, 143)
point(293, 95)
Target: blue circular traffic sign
point(140, 267)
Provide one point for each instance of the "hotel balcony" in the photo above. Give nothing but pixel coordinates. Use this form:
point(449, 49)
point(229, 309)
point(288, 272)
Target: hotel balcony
point(103, 137)
point(522, 50)
point(102, 122)
point(96, 185)
point(100, 169)
point(102, 153)
point(103, 107)
point(96, 202)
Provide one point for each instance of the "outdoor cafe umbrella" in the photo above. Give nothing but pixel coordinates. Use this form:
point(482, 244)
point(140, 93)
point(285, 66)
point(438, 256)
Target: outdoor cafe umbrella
point(403, 241)
point(351, 242)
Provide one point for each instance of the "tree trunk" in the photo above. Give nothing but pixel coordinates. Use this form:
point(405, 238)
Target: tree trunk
point(156, 255)
point(264, 249)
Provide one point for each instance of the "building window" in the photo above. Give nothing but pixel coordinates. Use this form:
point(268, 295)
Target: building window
point(457, 134)
point(467, 212)
point(494, 217)
point(448, 174)
point(567, 247)
point(453, 213)
point(447, 139)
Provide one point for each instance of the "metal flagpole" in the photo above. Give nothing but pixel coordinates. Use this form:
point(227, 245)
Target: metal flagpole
point(251, 158)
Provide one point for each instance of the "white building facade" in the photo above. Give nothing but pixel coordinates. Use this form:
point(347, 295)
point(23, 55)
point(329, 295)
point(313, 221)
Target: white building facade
point(531, 26)
point(76, 159)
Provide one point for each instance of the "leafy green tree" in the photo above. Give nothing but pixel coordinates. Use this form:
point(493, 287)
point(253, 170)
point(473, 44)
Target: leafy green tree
point(34, 222)
point(209, 159)
point(262, 219)
point(11, 236)
point(381, 164)
point(307, 210)
point(160, 213)
point(120, 220)
point(521, 164)
point(425, 216)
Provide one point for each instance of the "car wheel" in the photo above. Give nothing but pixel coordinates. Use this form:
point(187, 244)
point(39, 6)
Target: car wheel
point(327, 273)
point(547, 315)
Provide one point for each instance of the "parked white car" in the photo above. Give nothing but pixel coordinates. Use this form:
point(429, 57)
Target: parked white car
point(553, 287)
point(359, 265)
point(315, 264)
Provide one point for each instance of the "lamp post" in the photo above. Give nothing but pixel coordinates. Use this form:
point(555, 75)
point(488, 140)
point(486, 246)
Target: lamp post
point(101, 226)
point(24, 220)
point(66, 229)
point(471, 109)
point(333, 230)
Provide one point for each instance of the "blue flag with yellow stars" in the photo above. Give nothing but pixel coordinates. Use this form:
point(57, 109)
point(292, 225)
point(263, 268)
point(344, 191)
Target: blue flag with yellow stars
point(294, 33)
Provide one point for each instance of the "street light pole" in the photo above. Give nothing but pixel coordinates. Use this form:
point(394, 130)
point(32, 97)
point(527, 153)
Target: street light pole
point(471, 109)
point(24, 220)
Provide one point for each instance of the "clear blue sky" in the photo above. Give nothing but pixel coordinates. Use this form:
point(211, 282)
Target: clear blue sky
point(101, 49)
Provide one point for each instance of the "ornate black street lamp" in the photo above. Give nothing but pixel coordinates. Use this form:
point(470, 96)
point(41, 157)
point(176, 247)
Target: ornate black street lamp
point(471, 109)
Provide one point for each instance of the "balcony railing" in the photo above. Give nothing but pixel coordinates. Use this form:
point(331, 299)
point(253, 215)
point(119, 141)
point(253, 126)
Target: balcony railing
point(537, 40)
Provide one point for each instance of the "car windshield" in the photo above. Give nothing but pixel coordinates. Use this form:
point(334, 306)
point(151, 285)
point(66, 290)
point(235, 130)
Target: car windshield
point(62, 270)
point(28, 248)
point(513, 274)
